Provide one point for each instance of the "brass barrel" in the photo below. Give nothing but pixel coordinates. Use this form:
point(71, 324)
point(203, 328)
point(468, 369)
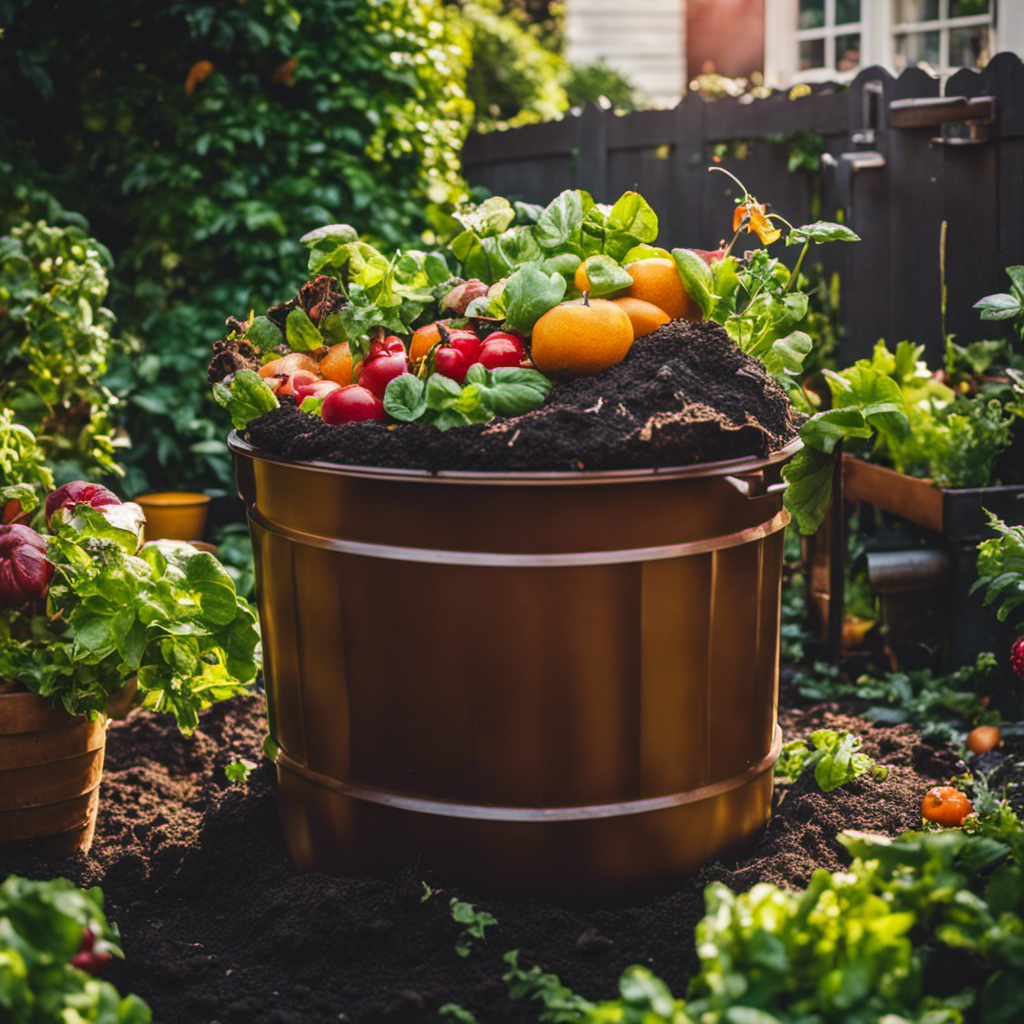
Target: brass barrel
point(545, 683)
point(50, 769)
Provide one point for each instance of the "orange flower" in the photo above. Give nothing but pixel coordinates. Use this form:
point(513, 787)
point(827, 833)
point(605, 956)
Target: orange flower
point(201, 70)
point(758, 222)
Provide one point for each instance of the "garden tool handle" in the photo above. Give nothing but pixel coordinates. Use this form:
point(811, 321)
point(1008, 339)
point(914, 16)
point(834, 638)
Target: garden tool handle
point(754, 485)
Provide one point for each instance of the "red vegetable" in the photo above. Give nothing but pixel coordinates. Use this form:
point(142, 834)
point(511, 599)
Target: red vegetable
point(385, 361)
point(451, 362)
point(25, 571)
point(466, 342)
point(78, 491)
point(501, 351)
point(350, 404)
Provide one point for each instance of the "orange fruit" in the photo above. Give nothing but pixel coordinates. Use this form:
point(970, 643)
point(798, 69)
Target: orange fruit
point(581, 338)
point(946, 806)
point(337, 364)
point(643, 316)
point(983, 738)
point(423, 340)
point(289, 364)
point(657, 281)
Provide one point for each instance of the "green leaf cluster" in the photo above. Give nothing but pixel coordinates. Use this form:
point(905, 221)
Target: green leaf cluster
point(474, 922)
point(246, 396)
point(1006, 305)
point(24, 475)
point(948, 705)
point(1001, 571)
point(832, 756)
point(56, 345)
point(41, 927)
point(853, 947)
point(484, 394)
point(170, 616)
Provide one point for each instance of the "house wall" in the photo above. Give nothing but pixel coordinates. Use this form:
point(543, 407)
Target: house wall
point(725, 36)
point(644, 39)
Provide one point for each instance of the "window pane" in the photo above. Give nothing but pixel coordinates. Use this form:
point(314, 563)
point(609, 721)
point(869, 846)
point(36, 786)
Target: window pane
point(812, 54)
point(917, 48)
point(847, 11)
point(848, 52)
point(969, 47)
point(965, 8)
point(916, 10)
point(812, 14)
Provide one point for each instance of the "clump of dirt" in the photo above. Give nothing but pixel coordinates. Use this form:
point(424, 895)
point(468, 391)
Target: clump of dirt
point(684, 394)
point(218, 926)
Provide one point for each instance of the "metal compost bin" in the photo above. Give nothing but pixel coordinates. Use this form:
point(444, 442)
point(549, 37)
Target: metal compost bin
point(552, 683)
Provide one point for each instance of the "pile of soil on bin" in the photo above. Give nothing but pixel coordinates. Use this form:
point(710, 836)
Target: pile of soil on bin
point(684, 394)
point(217, 925)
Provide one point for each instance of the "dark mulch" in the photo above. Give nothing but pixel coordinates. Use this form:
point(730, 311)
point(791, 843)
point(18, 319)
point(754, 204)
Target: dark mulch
point(218, 926)
point(684, 394)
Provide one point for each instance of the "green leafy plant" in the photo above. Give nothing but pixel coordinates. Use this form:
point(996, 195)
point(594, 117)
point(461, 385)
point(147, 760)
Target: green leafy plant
point(1006, 305)
point(56, 344)
point(561, 1004)
point(947, 705)
point(42, 926)
point(169, 616)
point(25, 479)
point(1001, 571)
point(239, 771)
point(474, 922)
point(832, 756)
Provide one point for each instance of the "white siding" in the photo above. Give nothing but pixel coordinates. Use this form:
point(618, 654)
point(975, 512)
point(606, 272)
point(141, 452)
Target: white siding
point(644, 39)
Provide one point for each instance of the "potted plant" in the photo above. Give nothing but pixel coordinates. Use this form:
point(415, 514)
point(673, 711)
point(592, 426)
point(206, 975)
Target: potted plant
point(554, 676)
point(84, 612)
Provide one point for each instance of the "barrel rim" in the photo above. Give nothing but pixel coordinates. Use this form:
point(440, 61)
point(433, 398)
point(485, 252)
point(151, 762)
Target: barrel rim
point(747, 464)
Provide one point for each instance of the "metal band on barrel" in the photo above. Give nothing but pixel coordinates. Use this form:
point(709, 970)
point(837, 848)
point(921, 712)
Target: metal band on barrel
point(533, 814)
point(527, 561)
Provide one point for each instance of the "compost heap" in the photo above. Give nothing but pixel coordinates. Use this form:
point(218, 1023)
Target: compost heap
point(684, 394)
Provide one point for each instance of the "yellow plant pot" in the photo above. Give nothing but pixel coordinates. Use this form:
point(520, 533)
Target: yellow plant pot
point(174, 515)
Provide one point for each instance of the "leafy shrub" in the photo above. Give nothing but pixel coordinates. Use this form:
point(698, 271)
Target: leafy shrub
point(217, 136)
point(512, 78)
point(55, 345)
point(596, 82)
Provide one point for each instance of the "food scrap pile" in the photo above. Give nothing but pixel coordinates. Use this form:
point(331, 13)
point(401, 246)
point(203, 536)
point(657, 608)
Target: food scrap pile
point(684, 394)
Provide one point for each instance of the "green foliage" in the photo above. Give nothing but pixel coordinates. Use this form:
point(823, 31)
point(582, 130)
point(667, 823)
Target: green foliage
point(1007, 305)
point(832, 756)
point(246, 397)
point(239, 771)
point(169, 616)
point(948, 705)
point(512, 78)
point(561, 1004)
point(56, 344)
point(24, 475)
point(41, 928)
point(335, 109)
point(599, 83)
point(1001, 571)
point(474, 922)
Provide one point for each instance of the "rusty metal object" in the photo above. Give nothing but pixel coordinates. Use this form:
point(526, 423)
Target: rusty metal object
point(545, 683)
point(50, 769)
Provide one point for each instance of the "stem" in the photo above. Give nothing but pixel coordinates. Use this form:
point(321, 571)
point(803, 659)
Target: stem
point(778, 216)
point(739, 231)
point(586, 298)
point(796, 269)
point(746, 194)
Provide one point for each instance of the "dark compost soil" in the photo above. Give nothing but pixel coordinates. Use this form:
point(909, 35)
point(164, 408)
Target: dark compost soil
point(218, 926)
point(684, 394)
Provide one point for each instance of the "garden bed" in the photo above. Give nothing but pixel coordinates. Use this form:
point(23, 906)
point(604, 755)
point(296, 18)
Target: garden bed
point(218, 926)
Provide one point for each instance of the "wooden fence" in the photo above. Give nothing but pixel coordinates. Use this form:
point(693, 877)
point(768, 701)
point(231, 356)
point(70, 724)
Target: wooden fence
point(898, 161)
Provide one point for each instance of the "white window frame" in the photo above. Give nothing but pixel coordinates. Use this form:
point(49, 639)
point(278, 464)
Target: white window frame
point(829, 32)
point(943, 24)
point(878, 30)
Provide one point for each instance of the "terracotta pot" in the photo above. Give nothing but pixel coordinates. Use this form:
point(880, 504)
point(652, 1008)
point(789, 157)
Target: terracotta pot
point(50, 768)
point(174, 515)
point(546, 683)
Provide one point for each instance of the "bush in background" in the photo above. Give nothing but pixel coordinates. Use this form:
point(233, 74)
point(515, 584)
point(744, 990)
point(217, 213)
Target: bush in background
point(201, 139)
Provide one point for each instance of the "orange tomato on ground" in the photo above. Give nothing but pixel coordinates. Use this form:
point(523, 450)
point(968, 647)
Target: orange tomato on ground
point(644, 317)
point(983, 738)
point(657, 281)
point(581, 338)
point(945, 806)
